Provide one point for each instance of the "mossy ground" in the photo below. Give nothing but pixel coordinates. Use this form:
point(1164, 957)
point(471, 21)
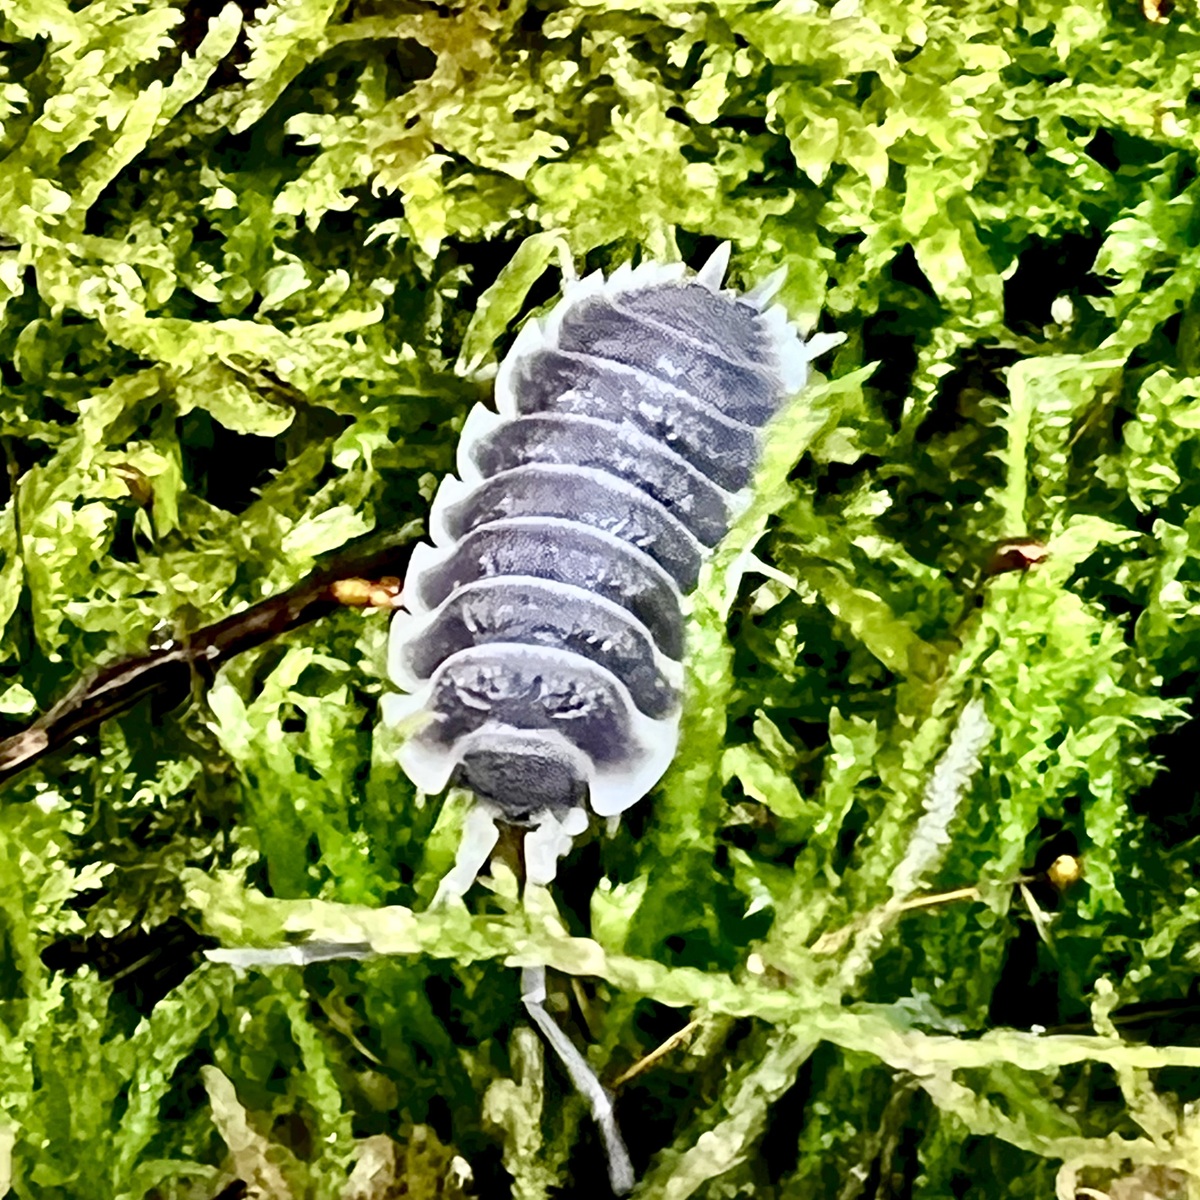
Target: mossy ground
point(257, 264)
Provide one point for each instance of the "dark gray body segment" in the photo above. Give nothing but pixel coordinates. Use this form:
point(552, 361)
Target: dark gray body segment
point(521, 774)
point(533, 688)
point(566, 439)
point(540, 612)
point(727, 382)
point(734, 330)
point(591, 497)
point(724, 449)
point(565, 551)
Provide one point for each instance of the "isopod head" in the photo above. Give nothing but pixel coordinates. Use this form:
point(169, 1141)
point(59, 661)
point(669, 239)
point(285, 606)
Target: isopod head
point(522, 773)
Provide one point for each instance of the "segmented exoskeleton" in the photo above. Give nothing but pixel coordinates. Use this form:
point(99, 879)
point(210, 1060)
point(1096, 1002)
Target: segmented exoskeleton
point(544, 633)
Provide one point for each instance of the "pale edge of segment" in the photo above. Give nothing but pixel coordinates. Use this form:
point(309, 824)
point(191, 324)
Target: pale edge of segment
point(455, 491)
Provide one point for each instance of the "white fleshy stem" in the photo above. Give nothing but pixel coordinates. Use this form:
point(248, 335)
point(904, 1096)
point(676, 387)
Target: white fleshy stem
point(533, 995)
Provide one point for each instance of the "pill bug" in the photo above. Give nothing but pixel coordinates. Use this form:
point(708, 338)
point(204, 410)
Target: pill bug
point(542, 642)
point(542, 637)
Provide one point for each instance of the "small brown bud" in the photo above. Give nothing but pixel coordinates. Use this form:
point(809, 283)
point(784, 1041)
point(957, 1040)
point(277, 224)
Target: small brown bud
point(1016, 554)
point(1065, 870)
point(367, 593)
point(138, 483)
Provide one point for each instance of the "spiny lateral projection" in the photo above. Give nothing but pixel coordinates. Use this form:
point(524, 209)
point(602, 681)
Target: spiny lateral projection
point(544, 632)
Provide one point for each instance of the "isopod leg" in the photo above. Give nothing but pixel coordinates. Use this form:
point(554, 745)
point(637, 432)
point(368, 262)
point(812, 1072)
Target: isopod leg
point(762, 295)
point(820, 343)
point(300, 955)
point(533, 996)
point(566, 261)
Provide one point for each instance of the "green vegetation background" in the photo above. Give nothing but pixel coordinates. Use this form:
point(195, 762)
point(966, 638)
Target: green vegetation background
point(257, 264)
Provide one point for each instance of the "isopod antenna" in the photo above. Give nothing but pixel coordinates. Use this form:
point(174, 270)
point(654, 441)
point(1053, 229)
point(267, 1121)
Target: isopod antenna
point(544, 845)
point(533, 996)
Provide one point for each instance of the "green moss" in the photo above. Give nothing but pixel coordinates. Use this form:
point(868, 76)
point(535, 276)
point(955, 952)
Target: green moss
point(255, 266)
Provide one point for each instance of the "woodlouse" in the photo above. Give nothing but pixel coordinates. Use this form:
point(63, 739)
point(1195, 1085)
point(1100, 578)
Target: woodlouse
point(543, 639)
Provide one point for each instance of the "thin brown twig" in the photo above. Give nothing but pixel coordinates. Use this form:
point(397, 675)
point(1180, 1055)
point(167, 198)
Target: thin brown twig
point(927, 901)
point(830, 942)
point(643, 1064)
point(168, 671)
